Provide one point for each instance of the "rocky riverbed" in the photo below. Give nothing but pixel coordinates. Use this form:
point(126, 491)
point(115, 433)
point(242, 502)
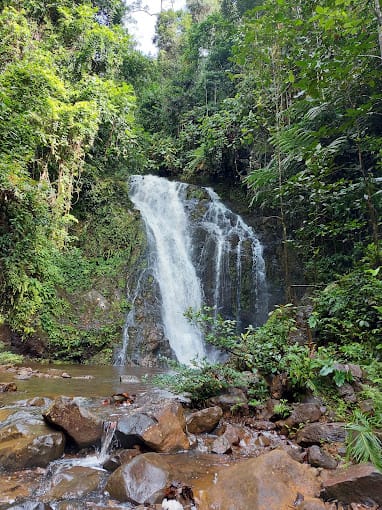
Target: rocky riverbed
point(152, 449)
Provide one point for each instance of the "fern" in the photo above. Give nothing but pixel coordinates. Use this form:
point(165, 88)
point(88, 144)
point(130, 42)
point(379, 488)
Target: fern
point(362, 444)
point(317, 111)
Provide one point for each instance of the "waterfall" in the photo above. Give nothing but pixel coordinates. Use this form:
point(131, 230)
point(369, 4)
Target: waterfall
point(202, 254)
point(161, 205)
point(227, 241)
point(120, 357)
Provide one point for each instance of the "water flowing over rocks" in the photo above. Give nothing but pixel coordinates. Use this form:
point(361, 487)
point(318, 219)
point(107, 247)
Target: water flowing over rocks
point(198, 253)
point(74, 482)
point(229, 462)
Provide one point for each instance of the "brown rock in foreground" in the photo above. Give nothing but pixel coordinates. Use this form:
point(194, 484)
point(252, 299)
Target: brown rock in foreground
point(26, 441)
point(72, 416)
point(144, 478)
point(356, 484)
point(268, 482)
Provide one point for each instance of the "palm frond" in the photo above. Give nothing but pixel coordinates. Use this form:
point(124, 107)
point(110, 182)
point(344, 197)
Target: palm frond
point(362, 444)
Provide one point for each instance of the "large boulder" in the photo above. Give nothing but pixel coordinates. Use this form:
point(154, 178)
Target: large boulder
point(268, 482)
point(139, 480)
point(144, 478)
point(158, 427)
point(72, 415)
point(205, 420)
point(317, 433)
point(356, 484)
point(131, 428)
point(26, 441)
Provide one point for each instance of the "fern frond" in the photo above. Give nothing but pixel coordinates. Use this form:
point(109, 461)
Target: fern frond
point(317, 111)
point(362, 444)
point(260, 178)
point(337, 145)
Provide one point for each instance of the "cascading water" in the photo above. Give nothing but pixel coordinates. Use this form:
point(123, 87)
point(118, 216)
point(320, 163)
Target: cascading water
point(202, 254)
point(231, 263)
point(161, 205)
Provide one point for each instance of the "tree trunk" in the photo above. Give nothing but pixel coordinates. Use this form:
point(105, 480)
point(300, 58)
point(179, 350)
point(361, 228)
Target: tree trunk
point(378, 12)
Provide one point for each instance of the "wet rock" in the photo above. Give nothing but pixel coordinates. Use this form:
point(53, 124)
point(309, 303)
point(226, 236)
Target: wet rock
point(316, 433)
point(120, 457)
point(5, 387)
point(72, 415)
point(234, 397)
point(39, 402)
point(221, 445)
point(168, 434)
point(263, 441)
point(95, 298)
point(159, 427)
point(205, 420)
point(144, 479)
point(311, 504)
point(138, 480)
point(358, 484)
point(129, 379)
point(270, 481)
point(73, 483)
point(318, 458)
point(233, 433)
point(31, 505)
point(26, 441)
point(19, 486)
point(301, 413)
point(130, 429)
point(296, 452)
point(263, 425)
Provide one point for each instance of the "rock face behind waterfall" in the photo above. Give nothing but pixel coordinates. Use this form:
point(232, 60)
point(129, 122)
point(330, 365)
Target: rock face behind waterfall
point(198, 253)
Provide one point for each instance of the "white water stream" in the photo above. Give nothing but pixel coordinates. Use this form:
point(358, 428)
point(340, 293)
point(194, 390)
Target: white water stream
point(161, 205)
point(197, 261)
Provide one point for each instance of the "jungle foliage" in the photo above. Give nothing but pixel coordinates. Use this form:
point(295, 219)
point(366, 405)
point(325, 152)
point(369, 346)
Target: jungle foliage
point(280, 98)
point(69, 139)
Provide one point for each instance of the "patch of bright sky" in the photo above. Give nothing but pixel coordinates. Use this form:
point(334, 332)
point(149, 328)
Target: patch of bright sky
point(144, 27)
